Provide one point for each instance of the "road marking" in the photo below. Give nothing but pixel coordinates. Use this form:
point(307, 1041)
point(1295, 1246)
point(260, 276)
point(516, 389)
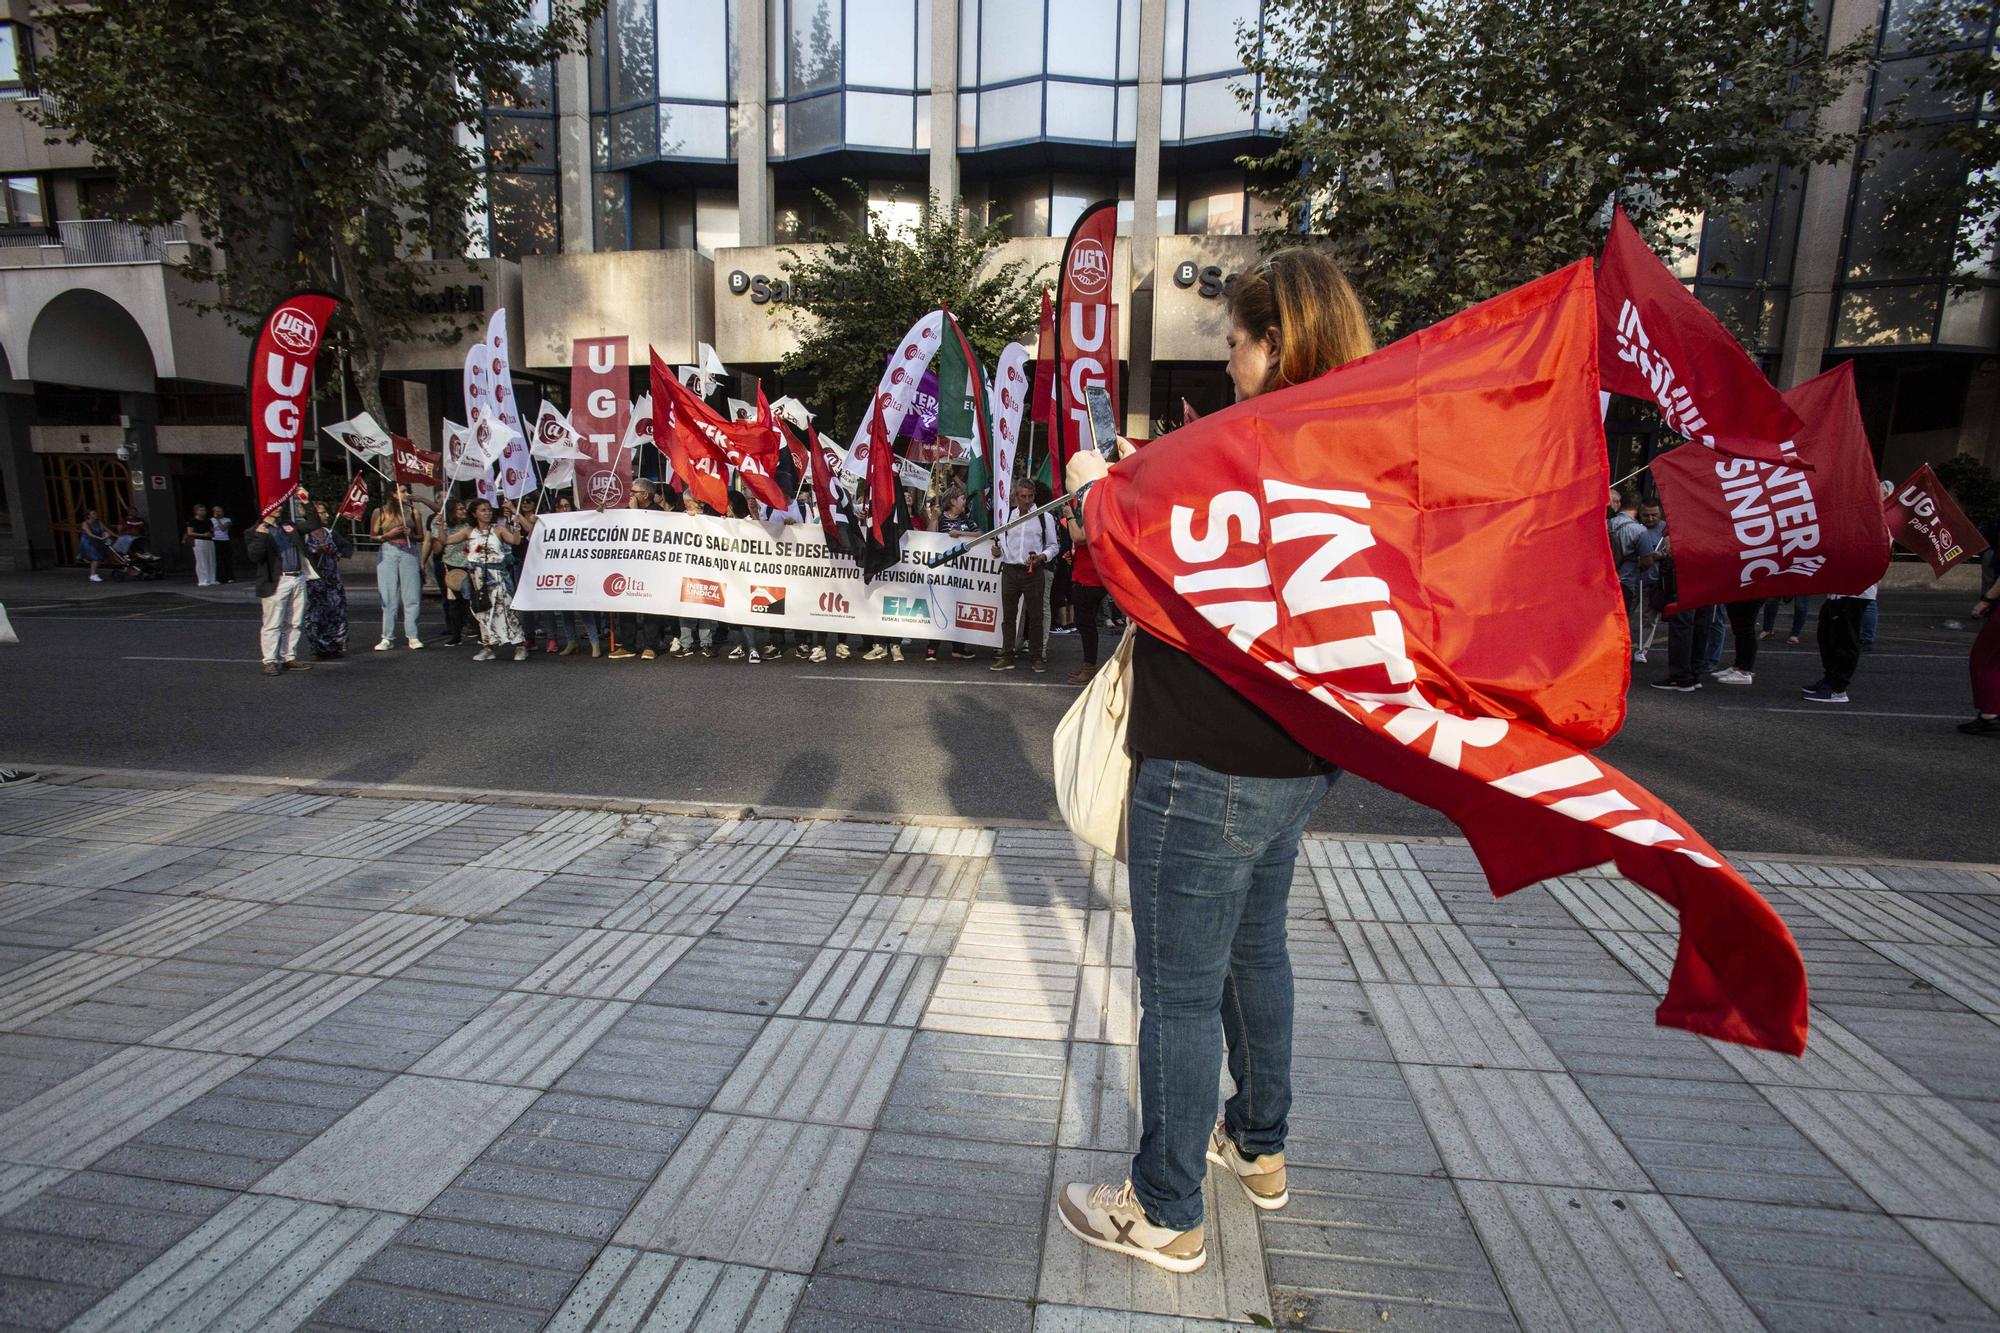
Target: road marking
point(250, 660)
point(1836, 710)
point(914, 680)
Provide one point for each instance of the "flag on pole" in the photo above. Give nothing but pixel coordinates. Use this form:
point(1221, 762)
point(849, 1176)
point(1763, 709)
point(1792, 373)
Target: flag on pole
point(414, 465)
point(281, 371)
point(696, 457)
point(1441, 616)
point(1925, 519)
point(355, 503)
point(555, 437)
point(1043, 409)
point(1086, 328)
point(360, 436)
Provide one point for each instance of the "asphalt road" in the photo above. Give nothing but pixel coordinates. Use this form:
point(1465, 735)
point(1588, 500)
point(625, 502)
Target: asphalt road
point(160, 680)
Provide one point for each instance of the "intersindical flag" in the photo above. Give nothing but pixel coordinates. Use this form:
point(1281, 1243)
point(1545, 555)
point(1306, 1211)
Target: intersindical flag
point(1404, 563)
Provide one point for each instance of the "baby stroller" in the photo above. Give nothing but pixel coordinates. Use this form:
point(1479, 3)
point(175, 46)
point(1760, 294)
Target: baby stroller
point(133, 560)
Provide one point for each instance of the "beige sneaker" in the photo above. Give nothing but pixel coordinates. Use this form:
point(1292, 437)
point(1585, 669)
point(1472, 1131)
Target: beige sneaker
point(1262, 1178)
point(1109, 1217)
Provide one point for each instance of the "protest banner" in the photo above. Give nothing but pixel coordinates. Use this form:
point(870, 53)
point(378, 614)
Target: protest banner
point(749, 573)
point(600, 405)
point(279, 386)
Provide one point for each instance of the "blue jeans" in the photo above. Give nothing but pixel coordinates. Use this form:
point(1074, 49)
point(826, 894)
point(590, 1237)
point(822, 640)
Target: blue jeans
point(574, 625)
point(691, 630)
point(400, 580)
point(1211, 860)
point(1772, 605)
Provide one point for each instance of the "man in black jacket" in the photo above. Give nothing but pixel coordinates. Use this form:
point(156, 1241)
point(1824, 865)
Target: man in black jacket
point(276, 549)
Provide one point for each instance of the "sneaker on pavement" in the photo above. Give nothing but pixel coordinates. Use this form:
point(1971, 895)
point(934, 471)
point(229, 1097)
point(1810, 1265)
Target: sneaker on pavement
point(383, 646)
point(520, 652)
point(818, 654)
point(620, 654)
point(1262, 1178)
point(803, 652)
point(896, 653)
point(486, 655)
point(736, 653)
point(755, 656)
point(841, 651)
point(1681, 684)
point(415, 644)
point(273, 669)
point(96, 578)
point(593, 650)
point(648, 656)
point(963, 653)
point(875, 654)
point(1109, 1217)
point(8, 775)
point(291, 665)
point(1734, 677)
point(1826, 694)
point(1038, 665)
point(1002, 663)
point(1978, 726)
point(571, 649)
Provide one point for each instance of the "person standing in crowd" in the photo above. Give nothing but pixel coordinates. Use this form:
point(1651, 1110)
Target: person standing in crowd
point(1062, 613)
point(1025, 552)
point(276, 549)
point(643, 636)
point(1800, 606)
point(1220, 796)
point(1839, 646)
point(200, 537)
point(1622, 523)
point(448, 569)
point(399, 574)
point(1646, 563)
point(326, 594)
point(574, 628)
point(1742, 629)
point(1985, 664)
point(1087, 592)
point(223, 528)
point(488, 591)
point(94, 542)
point(695, 634)
point(952, 520)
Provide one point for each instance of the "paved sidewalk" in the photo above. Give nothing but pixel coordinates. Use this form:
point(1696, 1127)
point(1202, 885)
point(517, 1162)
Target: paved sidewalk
point(273, 1055)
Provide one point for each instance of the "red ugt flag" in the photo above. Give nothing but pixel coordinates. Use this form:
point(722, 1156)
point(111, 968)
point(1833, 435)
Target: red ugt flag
point(1922, 516)
point(1745, 530)
point(1657, 342)
point(1357, 558)
point(355, 503)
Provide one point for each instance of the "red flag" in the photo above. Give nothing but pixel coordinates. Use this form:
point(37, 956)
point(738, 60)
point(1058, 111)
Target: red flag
point(355, 503)
point(600, 402)
point(1086, 327)
point(413, 465)
point(1657, 342)
point(1041, 404)
point(1922, 516)
point(881, 477)
point(823, 493)
point(752, 448)
point(1441, 616)
point(1745, 530)
point(695, 456)
point(281, 371)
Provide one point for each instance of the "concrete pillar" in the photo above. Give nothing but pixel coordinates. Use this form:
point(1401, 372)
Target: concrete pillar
point(944, 100)
point(417, 415)
point(1145, 218)
point(139, 415)
point(579, 230)
point(753, 137)
point(1823, 218)
point(32, 540)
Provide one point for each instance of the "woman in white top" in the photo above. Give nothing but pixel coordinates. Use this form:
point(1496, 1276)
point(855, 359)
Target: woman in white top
point(487, 588)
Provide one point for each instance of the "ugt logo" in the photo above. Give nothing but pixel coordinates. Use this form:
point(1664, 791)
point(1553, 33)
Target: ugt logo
point(905, 608)
point(1089, 268)
point(294, 330)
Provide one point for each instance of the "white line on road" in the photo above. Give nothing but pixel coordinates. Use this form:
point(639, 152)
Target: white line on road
point(913, 680)
point(248, 661)
point(1839, 710)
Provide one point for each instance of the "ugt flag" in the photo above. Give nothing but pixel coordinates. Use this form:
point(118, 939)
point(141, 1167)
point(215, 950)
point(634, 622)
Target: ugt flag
point(1922, 516)
point(1438, 612)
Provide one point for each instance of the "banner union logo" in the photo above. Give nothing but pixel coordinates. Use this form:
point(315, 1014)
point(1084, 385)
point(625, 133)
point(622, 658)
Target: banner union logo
point(701, 592)
point(978, 615)
point(767, 601)
point(606, 490)
point(616, 585)
point(295, 331)
point(1089, 268)
point(905, 608)
point(833, 604)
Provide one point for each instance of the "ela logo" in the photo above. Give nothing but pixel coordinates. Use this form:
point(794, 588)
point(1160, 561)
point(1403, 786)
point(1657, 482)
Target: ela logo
point(905, 608)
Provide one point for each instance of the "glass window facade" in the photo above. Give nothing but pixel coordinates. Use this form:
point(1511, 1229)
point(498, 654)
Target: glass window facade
point(13, 57)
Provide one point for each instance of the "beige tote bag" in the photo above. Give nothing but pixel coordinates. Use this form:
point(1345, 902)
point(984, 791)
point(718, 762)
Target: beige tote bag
point(1092, 767)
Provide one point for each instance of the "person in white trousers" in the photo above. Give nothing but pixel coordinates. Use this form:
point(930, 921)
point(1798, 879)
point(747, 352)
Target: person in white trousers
point(276, 548)
point(201, 536)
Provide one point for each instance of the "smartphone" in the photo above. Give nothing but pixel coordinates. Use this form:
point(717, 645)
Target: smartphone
point(1103, 428)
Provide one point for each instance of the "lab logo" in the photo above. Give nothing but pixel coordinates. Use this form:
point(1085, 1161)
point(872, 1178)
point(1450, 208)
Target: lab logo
point(767, 601)
point(294, 330)
point(701, 592)
point(906, 608)
point(1089, 268)
point(978, 616)
point(833, 604)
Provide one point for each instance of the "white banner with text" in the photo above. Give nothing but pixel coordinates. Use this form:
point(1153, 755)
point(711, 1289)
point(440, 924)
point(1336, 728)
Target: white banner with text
point(644, 562)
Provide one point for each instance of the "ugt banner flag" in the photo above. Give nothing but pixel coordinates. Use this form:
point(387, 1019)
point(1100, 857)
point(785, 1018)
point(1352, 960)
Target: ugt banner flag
point(1922, 516)
point(1440, 615)
point(600, 406)
point(1745, 530)
point(280, 383)
point(1086, 326)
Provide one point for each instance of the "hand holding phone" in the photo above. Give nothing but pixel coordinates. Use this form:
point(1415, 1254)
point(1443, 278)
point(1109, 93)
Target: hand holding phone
point(1103, 427)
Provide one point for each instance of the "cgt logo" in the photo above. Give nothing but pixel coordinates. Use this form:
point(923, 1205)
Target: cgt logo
point(980, 616)
point(701, 592)
point(833, 604)
point(906, 608)
point(767, 601)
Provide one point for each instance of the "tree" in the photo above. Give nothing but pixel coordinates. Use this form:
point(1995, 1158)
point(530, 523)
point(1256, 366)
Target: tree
point(851, 301)
point(333, 146)
point(1451, 149)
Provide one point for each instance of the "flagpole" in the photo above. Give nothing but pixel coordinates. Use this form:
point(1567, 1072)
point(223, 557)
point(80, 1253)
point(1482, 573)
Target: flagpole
point(964, 547)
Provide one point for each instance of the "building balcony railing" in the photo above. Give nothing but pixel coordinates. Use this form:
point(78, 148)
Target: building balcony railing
point(92, 241)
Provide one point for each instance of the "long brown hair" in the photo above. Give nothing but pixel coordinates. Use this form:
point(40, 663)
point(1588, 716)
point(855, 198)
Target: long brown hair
point(1304, 296)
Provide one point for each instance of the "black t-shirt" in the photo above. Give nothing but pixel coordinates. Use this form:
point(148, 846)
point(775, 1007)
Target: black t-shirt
point(1182, 710)
point(201, 529)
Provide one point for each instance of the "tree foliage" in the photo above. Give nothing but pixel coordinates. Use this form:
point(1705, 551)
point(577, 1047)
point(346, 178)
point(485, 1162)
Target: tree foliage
point(313, 145)
point(1451, 149)
point(854, 299)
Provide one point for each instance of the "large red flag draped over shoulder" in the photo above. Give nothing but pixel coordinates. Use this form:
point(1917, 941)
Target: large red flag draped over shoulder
point(1439, 614)
point(1922, 516)
point(1744, 530)
point(694, 456)
point(280, 382)
point(1657, 342)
